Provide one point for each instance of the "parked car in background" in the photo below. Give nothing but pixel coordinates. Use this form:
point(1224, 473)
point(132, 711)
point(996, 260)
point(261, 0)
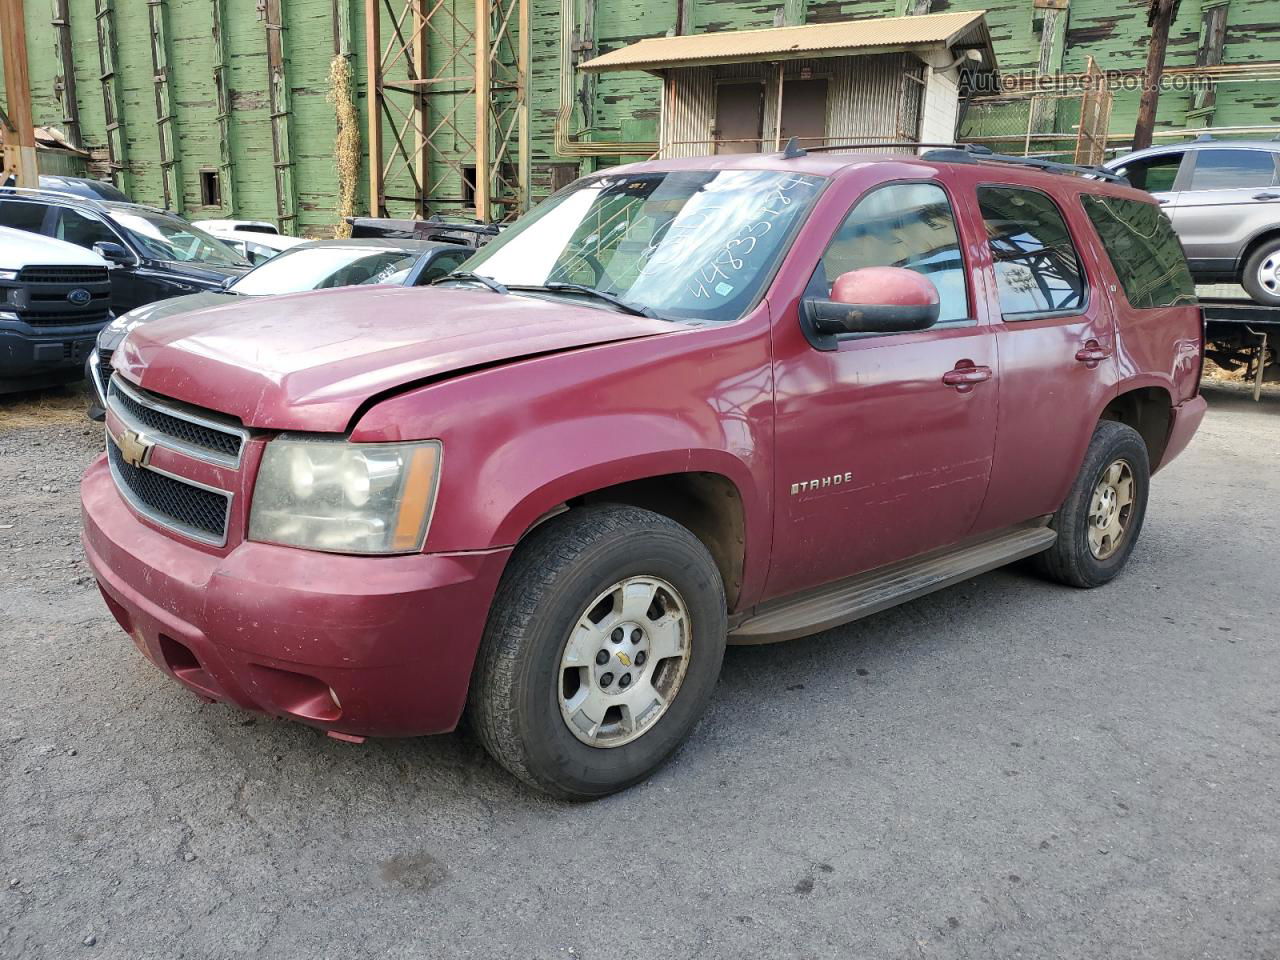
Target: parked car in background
point(683, 402)
point(155, 254)
point(1223, 197)
point(256, 240)
point(83, 187)
point(310, 265)
point(54, 298)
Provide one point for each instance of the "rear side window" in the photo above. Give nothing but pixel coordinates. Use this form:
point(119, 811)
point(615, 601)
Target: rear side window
point(1233, 169)
point(1037, 268)
point(22, 216)
point(1144, 251)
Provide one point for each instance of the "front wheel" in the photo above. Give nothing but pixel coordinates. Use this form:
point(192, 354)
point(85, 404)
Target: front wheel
point(1261, 275)
point(1100, 520)
point(602, 648)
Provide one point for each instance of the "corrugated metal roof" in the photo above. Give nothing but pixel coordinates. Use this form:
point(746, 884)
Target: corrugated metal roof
point(813, 40)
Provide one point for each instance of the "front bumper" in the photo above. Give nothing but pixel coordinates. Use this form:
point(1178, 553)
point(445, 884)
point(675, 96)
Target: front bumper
point(367, 646)
point(1186, 420)
point(37, 356)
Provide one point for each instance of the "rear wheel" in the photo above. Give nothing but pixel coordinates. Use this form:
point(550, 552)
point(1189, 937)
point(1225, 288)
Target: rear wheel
point(601, 651)
point(1101, 519)
point(1261, 275)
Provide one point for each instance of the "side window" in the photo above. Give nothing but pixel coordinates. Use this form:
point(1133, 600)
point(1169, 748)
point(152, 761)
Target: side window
point(901, 225)
point(22, 216)
point(84, 231)
point(1144, 251)
point(1231, 169)
point(1037, 268)
point(1153, 174)
point(443, 264)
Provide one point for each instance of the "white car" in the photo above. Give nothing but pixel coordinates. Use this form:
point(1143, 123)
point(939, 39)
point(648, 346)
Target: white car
point(257, 240)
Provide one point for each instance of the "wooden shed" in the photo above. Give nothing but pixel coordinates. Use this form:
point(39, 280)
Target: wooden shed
point(886, 80)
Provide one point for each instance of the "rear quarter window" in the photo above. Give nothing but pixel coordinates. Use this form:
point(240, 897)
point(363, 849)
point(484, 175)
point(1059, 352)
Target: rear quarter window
point(1143, 250)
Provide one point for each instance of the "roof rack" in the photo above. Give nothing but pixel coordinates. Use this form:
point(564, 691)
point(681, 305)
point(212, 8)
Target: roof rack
point(963, 153)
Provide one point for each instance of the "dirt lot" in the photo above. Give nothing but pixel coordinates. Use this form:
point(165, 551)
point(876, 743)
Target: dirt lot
point(1006, 768)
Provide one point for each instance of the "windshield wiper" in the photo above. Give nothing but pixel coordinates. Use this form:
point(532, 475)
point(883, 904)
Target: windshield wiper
point(631, 308)
point(480, 278)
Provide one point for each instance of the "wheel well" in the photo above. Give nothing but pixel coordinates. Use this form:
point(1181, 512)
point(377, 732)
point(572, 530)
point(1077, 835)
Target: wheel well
point(706, 504)
point(1149, 411)
point(1253, 245)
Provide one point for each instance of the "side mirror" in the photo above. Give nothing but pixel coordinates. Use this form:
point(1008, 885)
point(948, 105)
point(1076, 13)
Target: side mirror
point(871, 300)
point(112, 252)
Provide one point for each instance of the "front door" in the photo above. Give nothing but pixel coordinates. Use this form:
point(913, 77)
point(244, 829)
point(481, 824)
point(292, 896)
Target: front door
point(739, 117)
point(877, 458)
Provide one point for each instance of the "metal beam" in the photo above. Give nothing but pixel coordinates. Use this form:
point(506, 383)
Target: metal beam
point(373, 68)
point(170, 168)
point(226, 129)
point(20, 139)
point(278, 95)
point(65, 83)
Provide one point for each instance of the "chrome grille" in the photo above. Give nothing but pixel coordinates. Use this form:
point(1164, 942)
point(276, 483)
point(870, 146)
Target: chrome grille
point(202, 434)
point(196, 511)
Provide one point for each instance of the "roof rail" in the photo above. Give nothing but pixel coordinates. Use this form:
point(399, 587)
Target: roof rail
point(1036, 163)
point(95, 203)
point(872, 144)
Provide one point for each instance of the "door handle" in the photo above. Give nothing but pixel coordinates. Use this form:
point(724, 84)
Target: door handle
point(1163, 200)
point(965, 376)
point(1266, 196)
point(1092, 353)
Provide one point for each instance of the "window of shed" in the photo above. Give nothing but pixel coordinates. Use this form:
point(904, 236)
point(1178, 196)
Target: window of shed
point(210, 189)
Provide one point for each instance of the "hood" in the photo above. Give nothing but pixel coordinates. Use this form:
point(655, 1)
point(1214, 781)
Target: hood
point(19, 249)
point(114, 332)
point(207, 273)
point(309, 361)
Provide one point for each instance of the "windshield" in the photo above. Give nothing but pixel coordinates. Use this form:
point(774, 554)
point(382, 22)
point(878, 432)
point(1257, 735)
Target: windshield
point(174, 240)
point(320, 268)
point(696, 244)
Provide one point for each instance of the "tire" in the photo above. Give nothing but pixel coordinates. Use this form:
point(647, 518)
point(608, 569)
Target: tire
point(541, 650)
point(1261, 275)
point(1078, 559)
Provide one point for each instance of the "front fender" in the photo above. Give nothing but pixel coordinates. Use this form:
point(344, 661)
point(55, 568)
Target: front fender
point(522, 438)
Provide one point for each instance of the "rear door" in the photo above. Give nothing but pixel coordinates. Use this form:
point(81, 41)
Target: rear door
point(1231, 194)
point(1057, 347)
point(739, 117)
point(878, 458)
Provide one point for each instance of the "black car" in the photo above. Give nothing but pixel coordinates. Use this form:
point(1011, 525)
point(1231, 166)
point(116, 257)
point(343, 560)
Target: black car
point(156, 255)
point(83, 187)
point(315, 265)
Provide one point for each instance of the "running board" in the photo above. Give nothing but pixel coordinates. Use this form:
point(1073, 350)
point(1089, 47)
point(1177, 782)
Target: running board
point(847, 600)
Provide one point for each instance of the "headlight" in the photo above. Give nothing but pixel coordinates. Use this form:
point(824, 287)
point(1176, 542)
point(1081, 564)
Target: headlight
point(8, 274)
point(345, 497)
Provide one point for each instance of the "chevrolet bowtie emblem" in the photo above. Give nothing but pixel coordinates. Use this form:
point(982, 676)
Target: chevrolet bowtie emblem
point(624, 659)
point(133, 449)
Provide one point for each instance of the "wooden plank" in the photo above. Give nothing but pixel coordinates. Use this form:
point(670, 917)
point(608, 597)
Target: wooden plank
point(226, 128)
point(170, 167)
point(113, 113)
point(20, 141)
point(65, 83)
point(484, 64)
point(278, 96)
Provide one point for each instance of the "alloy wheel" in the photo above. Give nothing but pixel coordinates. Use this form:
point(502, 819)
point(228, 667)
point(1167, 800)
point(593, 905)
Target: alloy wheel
point(1110, 509)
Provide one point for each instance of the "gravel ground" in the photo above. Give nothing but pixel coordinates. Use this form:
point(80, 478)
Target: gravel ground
point(1003, 769)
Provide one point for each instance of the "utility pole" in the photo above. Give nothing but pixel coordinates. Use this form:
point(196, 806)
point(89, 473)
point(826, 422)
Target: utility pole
point(1160, 14)
point(20, 138)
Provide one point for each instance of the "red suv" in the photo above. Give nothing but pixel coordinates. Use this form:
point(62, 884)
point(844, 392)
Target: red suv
point(682, 403)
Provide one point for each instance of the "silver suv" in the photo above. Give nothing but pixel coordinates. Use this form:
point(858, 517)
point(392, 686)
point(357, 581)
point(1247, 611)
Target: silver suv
point(1223, 197)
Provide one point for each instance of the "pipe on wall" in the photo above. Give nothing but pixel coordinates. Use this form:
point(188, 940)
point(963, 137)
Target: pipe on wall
point(566, 144)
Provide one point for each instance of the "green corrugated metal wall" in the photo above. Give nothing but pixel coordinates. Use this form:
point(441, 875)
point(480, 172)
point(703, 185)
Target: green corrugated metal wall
point(625, 106)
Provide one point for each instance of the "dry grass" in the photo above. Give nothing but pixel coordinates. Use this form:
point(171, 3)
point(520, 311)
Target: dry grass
point(44, 407)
